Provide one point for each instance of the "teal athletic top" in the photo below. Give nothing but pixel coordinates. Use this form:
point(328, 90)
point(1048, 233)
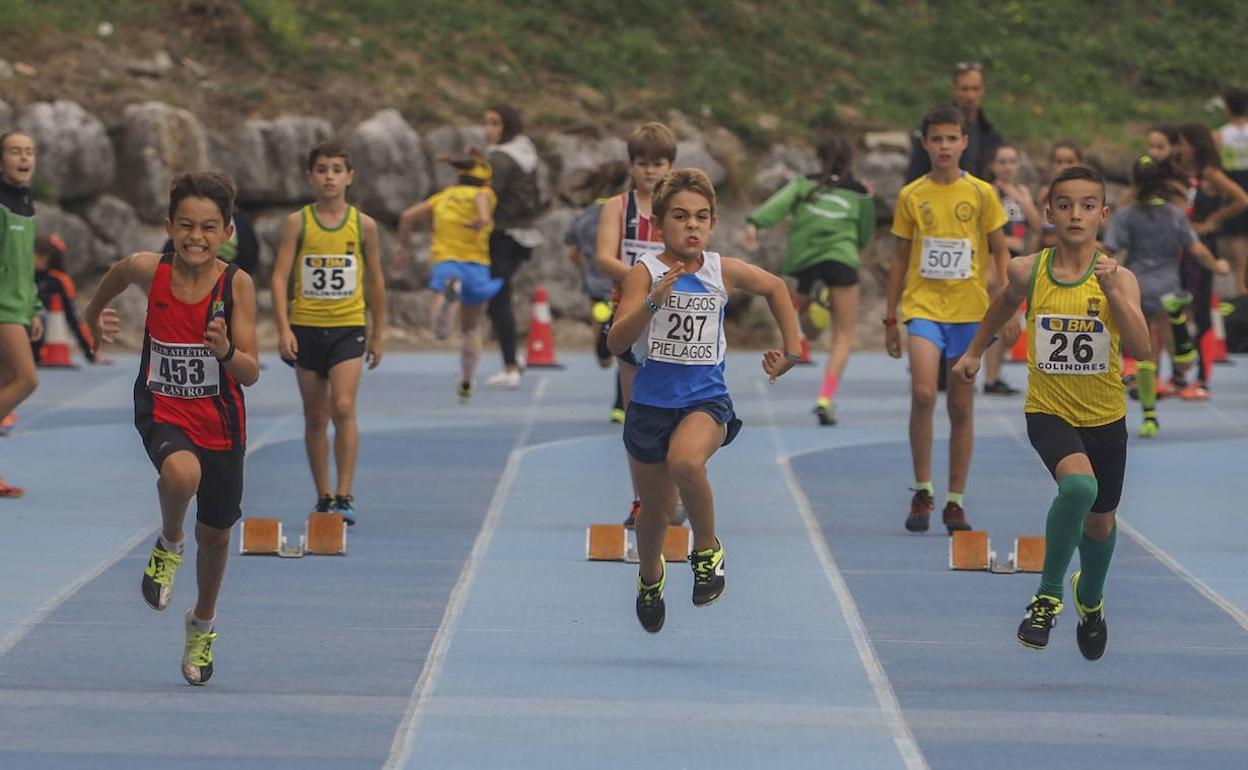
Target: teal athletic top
point(829, 223)
point(19, 300)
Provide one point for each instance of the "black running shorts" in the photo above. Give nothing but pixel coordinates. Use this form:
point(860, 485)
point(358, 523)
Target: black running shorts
point(1055, 439)
point(323, 348)
point(218, 502)
point(829, 273)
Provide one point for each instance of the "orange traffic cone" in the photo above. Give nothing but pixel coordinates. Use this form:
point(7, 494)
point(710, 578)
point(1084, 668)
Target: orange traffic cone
point(802, 335)
point(1213, 344)
point(541, 352)
point(55, 350)
point(1018, 353)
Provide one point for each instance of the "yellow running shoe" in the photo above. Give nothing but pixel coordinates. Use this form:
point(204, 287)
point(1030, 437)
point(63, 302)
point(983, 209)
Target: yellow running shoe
point(157, 583)
point(820, 316)
point(197, 655)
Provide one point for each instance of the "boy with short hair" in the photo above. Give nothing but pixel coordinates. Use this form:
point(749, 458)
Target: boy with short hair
point(951, 252)
point(334, 250)
point(626, 233)
point(199, 350)
point(1076, 411)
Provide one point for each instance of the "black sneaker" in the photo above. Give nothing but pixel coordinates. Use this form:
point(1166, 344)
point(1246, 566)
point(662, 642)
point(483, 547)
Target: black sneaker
point(157, 583)
point(954, 518)
point(708, 574)
point(632, 515)
point(324, 503)
point(824, 412)
point(1091, 633)
point(1041, 616)
point(343, 504)
point(999, 388)
point(921, 507)
point(651, 611)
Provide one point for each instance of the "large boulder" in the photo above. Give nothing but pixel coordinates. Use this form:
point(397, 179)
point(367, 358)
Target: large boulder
point(119, 231)
point(268, 158)
point(781, 164)
point(158, 142)
point(694, 153)
point(79, 240)
point(75, 154)
point(884, 172)
point(575, 156)
point(391, 168)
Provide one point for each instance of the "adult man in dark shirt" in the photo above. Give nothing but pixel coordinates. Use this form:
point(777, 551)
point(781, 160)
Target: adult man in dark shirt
point(968, 96)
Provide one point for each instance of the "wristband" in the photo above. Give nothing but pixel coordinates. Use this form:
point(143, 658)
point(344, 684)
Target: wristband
point(890, 321)
point(792, 358)
point(652, 306)
point(229, 355)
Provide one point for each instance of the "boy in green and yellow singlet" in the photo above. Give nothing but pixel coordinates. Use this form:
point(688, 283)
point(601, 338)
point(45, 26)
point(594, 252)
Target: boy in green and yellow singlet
point(1083, 311)
point(334, 251)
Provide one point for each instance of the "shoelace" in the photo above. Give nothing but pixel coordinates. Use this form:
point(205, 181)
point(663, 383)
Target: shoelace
point(703, 563)
point(164, 565)
point(1041, 614)
point(344, 502)
point(201, 647)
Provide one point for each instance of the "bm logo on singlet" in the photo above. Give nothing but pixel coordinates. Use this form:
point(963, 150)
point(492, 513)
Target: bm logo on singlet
point(1073, 325)
point(330, 262)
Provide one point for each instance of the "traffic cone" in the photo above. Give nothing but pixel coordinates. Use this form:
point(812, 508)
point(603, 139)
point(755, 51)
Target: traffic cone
point(1213, 344)
point(55, 350)
point(1018, 353)
point(805, 348)
point(541, 351)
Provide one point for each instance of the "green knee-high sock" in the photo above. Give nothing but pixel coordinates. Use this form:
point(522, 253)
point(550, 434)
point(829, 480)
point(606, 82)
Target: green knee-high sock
point(1146, 381)
point(1075, 495)
point(1094, 558)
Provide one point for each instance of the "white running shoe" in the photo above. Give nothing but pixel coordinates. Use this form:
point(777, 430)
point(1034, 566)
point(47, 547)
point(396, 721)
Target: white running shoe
point(505, 380)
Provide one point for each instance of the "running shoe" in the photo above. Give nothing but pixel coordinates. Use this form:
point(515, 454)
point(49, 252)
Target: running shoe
point(825, 412)
point(819, 310)
point(1149, 427)
point(446, 313)
point(464, 391)
point(1041, 616)
point(617, 416)
point(1167, 389)
point(157, 582)
point(1091, 633)
point(197, 654)
point(954, 518)
point(6, 424)
point(999, 388)
point(1194, 391)
point(632, 514)
point(344, 504)
point(10, 491)
point(921, 507)
point(505, 380)
point(708, 574)
point(325, 504)
point(651, 610)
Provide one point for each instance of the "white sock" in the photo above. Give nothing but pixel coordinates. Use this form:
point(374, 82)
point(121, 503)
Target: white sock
point(177, 547)
point(202, 626)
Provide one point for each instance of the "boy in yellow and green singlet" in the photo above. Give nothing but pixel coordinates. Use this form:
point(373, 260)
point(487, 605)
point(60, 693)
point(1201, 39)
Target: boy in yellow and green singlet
point(334, 252)
point(1083, 311)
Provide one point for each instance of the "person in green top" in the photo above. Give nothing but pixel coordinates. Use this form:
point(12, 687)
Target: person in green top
point(19, 302)
point(833, 220)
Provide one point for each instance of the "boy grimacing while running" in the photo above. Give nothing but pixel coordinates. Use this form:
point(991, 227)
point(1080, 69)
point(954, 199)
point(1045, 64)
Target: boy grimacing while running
point(1076, 409)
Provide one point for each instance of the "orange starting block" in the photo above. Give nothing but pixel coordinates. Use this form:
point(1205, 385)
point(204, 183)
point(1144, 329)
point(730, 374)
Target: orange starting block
point(326, 536)
point(973, 551)
point(612, 542)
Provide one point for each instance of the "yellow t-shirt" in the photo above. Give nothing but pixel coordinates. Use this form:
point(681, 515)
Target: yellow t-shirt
point(329, 272)
point(947, 226)
point(1074, 366)
point(453, 209)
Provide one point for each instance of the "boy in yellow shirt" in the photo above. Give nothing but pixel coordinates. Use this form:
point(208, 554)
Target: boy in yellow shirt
point(951, 250)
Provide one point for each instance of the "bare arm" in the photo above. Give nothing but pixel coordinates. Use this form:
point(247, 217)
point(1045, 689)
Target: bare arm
point(1000, 260)
point(752, 278)
point(632, 316)
point(244, 364)
point(282, 263)
point(575, 255)
point(136, 269)
point(411, 216)
point(1123, 292)
point(1201, 253)
point(608, 247)
point(892, 295)
point(1238, 201)
point(1003, 307)
point(484, 210)
point(374, 291)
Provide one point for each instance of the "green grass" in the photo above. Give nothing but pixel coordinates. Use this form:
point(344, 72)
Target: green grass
point(1063, 68)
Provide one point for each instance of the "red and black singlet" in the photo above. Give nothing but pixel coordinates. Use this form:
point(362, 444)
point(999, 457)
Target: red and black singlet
point(638, 236)
point(180, 383)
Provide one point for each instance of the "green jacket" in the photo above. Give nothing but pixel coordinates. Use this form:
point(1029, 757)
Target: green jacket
point(19, 300)
point(829, 223)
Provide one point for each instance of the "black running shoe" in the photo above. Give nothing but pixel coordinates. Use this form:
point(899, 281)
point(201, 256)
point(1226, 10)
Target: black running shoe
point(708, 574)
point(954, 518)
point(1091, 633)
point(1041, 616)
point(651, 611)
point(157, 583)
point(324, 503)
point(921, 507)
point(824, 412)
point(344, 504)
point(999, 388)
point(632, 515)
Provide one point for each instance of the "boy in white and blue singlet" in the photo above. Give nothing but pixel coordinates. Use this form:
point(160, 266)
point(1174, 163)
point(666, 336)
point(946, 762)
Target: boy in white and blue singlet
point(671, 317)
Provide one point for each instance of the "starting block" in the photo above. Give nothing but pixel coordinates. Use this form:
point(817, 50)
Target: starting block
point(326, 536)
point(612, 542)
point(973, 551)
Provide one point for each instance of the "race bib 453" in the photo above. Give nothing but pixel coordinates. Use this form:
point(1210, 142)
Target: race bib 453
point(182, 371)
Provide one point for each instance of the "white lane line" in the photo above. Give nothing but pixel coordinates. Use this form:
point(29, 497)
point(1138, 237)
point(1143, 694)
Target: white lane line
point(903, 738)
point(404, 737)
